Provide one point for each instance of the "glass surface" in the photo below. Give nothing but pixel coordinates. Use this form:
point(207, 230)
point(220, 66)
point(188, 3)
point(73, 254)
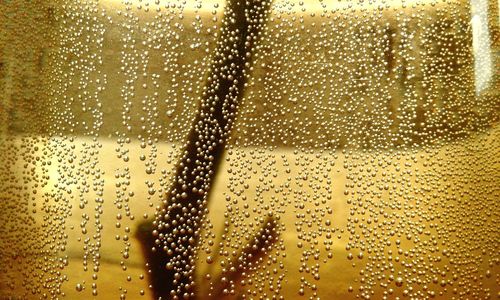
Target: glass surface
point(257, 149)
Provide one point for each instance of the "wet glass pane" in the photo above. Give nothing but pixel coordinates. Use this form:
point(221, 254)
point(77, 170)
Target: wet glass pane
point(249, 149)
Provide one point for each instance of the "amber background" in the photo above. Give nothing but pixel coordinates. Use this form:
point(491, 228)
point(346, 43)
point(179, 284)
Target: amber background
point(444, 143)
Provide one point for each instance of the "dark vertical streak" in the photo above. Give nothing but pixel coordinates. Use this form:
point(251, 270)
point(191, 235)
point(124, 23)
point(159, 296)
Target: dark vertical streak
point(170, 250)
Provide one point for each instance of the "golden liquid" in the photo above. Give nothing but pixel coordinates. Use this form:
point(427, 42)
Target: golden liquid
point(367, 131)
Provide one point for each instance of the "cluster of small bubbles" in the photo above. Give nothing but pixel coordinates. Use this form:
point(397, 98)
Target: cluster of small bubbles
point(261, 149)
point(423, 219)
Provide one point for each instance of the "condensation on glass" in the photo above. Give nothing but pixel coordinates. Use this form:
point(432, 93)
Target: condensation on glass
point(249, 149)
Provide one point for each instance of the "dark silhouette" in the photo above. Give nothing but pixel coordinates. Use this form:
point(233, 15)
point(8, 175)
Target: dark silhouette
point(169, 242)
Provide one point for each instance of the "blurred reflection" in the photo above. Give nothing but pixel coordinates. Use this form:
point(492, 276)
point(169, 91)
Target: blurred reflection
point(481, 42)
